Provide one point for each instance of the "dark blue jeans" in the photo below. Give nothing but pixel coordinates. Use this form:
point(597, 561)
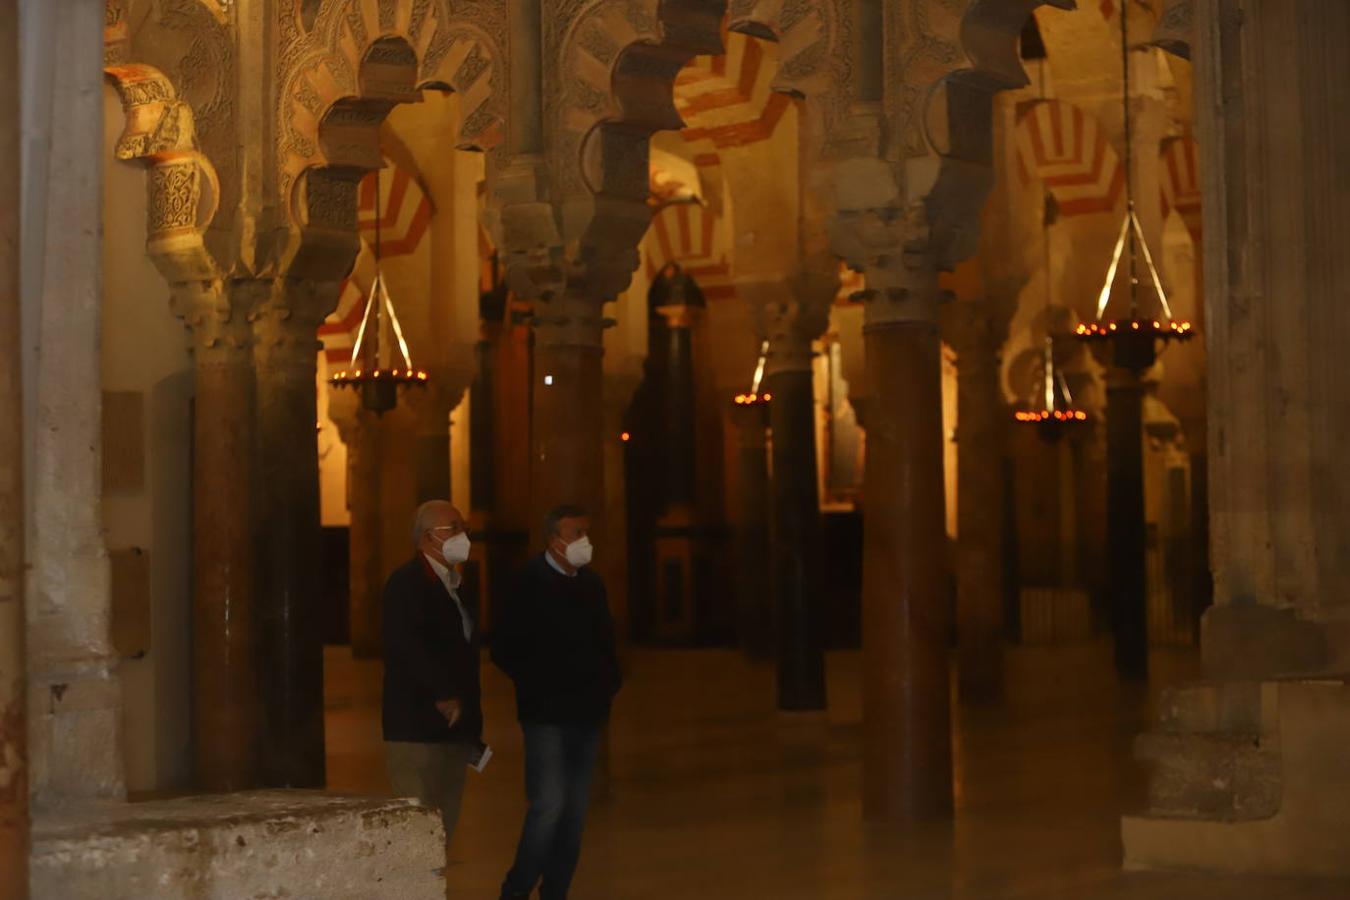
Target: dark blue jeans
point(559, 761)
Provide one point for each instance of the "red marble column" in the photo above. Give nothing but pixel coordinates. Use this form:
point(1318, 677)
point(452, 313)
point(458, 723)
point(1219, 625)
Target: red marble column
point(567, 421)
point(287, 478)
point(754, 591)
point(13, 697)
point(365, 535)
point(981, 418)
point(226, 699)
point(907, 763)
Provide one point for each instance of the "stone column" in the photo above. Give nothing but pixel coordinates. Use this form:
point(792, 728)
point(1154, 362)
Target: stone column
point(285, 321)
point(1125, 526)
point(567, 413)
point(907, 766)
point(226, 698)
point(797, 534)
point(981, 421)
point(74, 691)
point(754, 586)
point(364, 535)
point(431, 406)
point(13, 714)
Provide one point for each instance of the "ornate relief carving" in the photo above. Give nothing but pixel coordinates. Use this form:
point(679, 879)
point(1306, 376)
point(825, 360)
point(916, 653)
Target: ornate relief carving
point(183, 192)
point(609, 71)
point(449, 45)
point(174, 192)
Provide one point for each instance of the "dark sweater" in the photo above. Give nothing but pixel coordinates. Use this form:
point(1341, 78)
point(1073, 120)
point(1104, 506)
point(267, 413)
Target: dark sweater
point(555, 639)
point(426, 660)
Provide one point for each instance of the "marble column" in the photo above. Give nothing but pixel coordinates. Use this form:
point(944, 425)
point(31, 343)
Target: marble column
point(431, 407)
point(981, 422)
point(567, 411)
point(907, 761)
point(365, 534)
point(1126, 577)
point(226, 697)
point(797, 534)
point(754, 589)
point(285, 321)
point(74, 687)
point(13, 714)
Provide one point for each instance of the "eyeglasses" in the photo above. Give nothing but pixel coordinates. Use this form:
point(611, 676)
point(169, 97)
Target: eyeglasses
point(446, 529)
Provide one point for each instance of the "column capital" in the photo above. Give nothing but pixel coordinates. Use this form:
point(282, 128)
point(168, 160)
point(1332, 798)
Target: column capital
point(570, 319)
point(791, 311)
point(285, 314)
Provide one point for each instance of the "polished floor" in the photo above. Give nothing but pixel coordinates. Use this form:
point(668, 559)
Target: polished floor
point(713, 795)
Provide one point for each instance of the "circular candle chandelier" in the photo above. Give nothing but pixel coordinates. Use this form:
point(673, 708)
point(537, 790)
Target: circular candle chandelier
point(1135, 337)
point(1056, 408)
point(755, 397)
point(376, 382)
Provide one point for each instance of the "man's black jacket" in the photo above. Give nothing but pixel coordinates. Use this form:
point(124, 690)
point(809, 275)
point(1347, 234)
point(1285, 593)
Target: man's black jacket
point(554, 637)
point(427, 659)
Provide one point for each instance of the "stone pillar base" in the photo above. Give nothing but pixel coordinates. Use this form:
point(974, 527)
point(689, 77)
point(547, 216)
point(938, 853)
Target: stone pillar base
point(1249, 778)
point(225, 846)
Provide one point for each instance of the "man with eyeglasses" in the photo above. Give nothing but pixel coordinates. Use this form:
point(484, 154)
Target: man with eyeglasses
point(432, 713)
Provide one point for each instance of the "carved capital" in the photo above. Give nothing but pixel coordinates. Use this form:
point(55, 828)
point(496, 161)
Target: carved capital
point(569, 319)
point(792, 313)
point(218, 326)
point(285, 314)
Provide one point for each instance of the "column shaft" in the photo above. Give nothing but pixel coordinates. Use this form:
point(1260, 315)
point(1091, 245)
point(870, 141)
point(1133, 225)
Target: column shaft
point(1125, 528)
point(907, 769)
point(291, 664)
point(753, 584)
point(979, 549)
point(797, 541)
point(226, 698)
point(568, 420)
point(364, 536)
point(13, 699)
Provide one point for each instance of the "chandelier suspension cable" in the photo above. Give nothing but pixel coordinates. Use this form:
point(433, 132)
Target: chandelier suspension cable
point(1129, 154)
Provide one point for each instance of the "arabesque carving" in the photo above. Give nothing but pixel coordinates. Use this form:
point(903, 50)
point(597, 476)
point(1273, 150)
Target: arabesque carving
point(325, 53)
point(182, 188)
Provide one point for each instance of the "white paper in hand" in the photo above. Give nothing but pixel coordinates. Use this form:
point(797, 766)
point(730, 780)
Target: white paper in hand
point(481, 757)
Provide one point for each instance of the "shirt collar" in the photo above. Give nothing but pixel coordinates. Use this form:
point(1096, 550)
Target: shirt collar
point(557, 568)
point(449, 577)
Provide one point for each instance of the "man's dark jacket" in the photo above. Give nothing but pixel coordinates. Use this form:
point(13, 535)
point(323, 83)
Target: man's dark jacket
point(554, 637)
point(427, 659)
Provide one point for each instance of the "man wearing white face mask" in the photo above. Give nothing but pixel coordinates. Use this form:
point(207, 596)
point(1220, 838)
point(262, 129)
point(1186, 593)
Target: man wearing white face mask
point(432, 712)
point(555, 639)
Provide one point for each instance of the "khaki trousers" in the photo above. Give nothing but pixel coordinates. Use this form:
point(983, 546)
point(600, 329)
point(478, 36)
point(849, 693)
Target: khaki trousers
point(433, 773)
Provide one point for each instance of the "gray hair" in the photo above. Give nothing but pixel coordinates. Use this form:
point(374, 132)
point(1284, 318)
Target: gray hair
point(557, 514)
point(420, 520)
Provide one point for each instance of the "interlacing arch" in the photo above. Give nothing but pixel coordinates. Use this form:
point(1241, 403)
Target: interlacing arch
point(346, 64)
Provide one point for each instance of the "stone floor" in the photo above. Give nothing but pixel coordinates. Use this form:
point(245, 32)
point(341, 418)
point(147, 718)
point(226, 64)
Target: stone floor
point(715, 796)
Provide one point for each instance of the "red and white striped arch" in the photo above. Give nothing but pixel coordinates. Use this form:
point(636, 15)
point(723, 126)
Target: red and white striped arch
point(692, 235)
point(405, 218)
point(1062, 146)
point(1179, 175)
point(727, 100)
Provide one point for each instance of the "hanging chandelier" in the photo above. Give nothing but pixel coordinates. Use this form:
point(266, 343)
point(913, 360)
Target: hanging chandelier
point(377, 382)
point(1135, 337)
point(754, 397)
point(1056, 407)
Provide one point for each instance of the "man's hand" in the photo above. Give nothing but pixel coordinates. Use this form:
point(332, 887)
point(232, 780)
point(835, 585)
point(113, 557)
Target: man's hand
point(450, 709)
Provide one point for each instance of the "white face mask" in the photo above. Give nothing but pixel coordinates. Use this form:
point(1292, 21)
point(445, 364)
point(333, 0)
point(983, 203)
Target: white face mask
point(579, 552)
point(456, 549)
